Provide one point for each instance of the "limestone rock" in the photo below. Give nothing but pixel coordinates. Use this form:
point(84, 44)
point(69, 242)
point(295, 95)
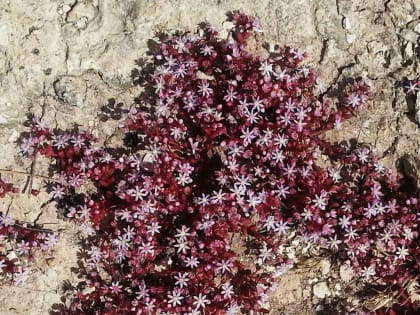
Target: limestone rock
point(409, 35)
point(325, 266)
point(346, 274)
point(70, 90)
point(3, 62)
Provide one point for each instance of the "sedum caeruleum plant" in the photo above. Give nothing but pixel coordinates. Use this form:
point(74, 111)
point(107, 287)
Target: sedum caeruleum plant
point(218, 164)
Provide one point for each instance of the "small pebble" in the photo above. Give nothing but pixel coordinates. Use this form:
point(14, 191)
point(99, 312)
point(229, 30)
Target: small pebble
point(321, 290)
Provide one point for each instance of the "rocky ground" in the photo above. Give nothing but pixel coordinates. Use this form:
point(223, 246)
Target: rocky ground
point(67, 58)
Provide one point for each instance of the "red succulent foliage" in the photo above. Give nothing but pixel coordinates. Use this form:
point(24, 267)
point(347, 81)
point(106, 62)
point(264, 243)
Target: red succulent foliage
point(231, 160)
point(19, 240)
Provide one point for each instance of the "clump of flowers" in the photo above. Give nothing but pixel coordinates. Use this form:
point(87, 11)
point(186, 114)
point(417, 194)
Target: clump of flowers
point(221, 162)
point(18, 242)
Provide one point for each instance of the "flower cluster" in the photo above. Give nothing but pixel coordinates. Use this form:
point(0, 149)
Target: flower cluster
point(18, 242)
point(192, 216)
point(403, 289)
